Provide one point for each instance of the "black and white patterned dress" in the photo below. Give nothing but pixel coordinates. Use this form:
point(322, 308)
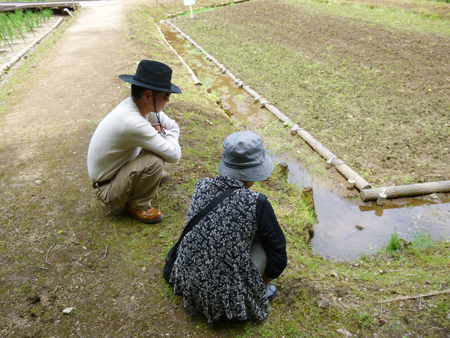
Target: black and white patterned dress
point(213, 271)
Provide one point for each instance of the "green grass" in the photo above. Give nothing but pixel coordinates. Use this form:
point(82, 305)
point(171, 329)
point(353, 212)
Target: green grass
point(420, 240)
point(389, 18)
point(396, 242)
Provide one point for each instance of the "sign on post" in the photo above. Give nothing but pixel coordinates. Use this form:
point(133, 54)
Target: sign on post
point(189, 3)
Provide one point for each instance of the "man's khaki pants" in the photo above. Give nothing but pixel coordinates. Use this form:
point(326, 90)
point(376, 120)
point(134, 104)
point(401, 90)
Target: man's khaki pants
point(135, 184)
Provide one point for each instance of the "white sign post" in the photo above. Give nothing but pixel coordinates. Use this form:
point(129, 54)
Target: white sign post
point(190, 3)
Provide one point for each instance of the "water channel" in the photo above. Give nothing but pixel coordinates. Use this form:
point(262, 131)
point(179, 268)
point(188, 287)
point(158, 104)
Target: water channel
point(347, 227)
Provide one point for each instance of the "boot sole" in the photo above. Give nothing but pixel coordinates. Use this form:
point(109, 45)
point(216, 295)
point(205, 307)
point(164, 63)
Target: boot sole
point(146, 221)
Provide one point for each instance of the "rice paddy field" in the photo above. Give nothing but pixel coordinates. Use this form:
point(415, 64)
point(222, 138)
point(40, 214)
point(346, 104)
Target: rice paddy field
point(13, 25)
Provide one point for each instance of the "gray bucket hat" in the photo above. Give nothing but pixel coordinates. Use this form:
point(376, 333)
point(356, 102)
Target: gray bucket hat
point(244, 157)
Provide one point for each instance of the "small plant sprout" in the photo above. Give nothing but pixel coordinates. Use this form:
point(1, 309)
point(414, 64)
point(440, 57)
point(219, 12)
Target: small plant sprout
point(12, 25)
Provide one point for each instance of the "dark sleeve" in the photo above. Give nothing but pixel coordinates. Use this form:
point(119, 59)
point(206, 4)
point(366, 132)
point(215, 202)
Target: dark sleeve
point(272, 237)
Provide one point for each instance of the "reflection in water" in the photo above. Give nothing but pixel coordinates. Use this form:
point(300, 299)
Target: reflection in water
point(346, 228)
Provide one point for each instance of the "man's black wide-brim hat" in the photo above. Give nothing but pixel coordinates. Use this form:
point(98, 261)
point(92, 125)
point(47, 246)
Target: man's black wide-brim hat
point(152, 75)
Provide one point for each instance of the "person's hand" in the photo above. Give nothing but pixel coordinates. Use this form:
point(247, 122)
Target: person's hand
point(158, 128)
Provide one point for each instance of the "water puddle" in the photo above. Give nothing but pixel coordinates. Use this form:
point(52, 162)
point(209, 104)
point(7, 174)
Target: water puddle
point(346, 230)
point(347, 227)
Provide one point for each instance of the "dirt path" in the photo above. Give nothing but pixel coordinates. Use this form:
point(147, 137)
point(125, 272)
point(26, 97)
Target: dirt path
point(48, 123)
point(72, 81)
point(45, 134)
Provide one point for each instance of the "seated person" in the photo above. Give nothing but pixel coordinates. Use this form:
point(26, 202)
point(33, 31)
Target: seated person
point(226, 261)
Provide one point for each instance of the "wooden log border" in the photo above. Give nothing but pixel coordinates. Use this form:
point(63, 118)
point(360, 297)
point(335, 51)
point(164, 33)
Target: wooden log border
point(410, 190)
point(366, 191)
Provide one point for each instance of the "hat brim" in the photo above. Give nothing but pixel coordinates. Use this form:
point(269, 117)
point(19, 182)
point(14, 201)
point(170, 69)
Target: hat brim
point(252, 174)
point(129, 78)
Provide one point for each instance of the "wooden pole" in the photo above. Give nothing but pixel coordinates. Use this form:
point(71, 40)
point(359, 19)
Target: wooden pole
point(277, 113)
point(231, 75)
point(251, 92)
point(406, 190)
point(348, 173)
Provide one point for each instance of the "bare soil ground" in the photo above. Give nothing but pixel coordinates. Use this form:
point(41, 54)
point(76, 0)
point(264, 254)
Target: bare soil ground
point(371, 85)
point(62, 248)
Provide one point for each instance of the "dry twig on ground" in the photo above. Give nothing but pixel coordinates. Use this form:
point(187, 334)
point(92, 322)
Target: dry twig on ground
point(48, 251)
point(428, 294)
point(106, 251)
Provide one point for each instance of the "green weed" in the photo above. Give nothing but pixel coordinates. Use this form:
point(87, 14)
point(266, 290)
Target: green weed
point(422, 240)
point(395, 243)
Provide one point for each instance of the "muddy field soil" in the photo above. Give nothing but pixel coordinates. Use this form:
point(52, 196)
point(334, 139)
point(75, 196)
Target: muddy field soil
point(370, 84)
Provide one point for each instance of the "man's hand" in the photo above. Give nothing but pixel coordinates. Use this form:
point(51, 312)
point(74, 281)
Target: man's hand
point(157, 128)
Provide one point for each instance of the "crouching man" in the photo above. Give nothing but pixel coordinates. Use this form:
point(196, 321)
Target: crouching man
point(131, 145)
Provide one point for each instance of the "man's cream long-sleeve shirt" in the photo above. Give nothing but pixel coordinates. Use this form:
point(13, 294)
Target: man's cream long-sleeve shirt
point(121, 136)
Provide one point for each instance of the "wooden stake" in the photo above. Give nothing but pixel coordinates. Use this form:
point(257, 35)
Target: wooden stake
point(106, 251)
